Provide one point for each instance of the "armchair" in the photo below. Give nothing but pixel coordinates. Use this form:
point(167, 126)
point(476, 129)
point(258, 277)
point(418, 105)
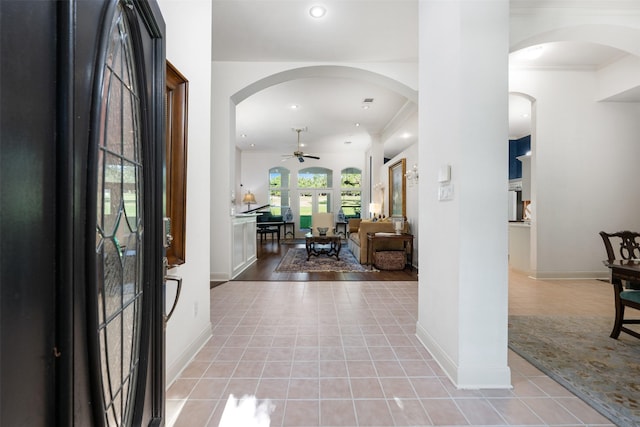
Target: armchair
point(322, 220)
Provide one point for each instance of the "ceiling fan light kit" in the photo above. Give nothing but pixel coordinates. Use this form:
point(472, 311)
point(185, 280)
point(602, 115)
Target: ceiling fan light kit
point(299, 154)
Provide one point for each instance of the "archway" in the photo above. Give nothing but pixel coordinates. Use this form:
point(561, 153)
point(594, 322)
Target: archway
point(328, 71)
point(333, 73)
point(575, 124)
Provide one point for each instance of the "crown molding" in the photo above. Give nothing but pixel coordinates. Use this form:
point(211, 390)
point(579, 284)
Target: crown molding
point(595, 6)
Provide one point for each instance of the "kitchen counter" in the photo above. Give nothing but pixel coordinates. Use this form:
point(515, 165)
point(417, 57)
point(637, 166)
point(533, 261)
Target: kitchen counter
point(519, 246)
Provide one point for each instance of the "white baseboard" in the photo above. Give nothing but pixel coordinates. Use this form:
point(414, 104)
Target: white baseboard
point(218, 277)
point(173, 371)
point(569, 275)
point(441, 358)
point(474, 377)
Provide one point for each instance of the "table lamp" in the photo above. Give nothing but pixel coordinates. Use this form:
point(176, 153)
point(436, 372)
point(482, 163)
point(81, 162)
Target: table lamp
point(398, 225)
point(249, 198)
point(373, 208)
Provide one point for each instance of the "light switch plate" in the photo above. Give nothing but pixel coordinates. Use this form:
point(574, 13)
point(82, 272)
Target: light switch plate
point(444, 174)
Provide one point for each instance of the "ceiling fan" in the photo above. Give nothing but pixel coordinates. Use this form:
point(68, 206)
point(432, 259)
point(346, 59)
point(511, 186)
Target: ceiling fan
point(298, 153)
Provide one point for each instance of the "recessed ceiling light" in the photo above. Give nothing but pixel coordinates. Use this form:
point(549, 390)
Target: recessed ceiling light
point(357, 125)
point(317, 11)
point(253, 145)
point(525, 115)
point(406, 135)
point(244, 135)
point(294, 107)
point(365, 107)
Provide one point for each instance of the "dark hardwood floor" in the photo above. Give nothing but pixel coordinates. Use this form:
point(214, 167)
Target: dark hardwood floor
point(271, 252)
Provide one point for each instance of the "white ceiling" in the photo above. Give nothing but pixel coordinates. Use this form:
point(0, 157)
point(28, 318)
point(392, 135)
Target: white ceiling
point(351, 31)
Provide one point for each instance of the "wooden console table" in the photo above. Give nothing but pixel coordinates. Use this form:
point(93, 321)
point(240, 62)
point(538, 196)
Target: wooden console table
point(293, 229)
point(341, 228)
point(405, 238)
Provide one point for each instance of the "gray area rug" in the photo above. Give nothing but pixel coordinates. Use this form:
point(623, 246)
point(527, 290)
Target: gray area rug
point(295, 260)
point(578, 353)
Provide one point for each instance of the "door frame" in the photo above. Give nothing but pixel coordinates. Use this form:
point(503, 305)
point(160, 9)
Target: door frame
point(314, 203)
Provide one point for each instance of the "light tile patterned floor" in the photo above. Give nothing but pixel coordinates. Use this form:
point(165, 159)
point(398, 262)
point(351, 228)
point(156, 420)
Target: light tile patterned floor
point(345, 354)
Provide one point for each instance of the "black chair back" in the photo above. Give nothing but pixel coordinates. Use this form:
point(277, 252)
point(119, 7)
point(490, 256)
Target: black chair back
point(628, 247)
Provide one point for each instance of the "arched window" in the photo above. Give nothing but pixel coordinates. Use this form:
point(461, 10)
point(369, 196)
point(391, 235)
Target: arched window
point(350, 192)
point(315, 177)
point(279, 182)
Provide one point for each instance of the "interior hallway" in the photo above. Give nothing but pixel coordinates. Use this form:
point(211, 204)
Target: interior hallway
point(345, 354)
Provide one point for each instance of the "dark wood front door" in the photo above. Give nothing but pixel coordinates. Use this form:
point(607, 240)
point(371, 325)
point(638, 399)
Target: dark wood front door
point(81, 154)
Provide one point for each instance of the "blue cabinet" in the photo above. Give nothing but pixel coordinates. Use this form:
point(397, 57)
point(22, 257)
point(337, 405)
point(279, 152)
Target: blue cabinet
point(517, 147)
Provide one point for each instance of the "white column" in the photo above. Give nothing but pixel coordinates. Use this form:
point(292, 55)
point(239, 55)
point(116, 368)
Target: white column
point(377, 155)
point(463, 101)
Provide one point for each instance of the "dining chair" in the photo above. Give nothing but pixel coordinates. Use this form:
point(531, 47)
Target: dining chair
point(629, 249)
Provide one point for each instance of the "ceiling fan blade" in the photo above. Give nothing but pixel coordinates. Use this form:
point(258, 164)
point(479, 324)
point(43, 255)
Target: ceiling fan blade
point(311, 157)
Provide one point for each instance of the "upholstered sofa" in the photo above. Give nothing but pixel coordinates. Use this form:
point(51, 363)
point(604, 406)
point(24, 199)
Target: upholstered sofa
point(357, 242)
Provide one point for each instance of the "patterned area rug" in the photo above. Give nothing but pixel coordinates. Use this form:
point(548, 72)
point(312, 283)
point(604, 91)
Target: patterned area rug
point(295, 260)
point(578, 353)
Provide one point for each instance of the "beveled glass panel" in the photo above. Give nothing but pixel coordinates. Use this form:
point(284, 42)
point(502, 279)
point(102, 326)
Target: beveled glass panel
point(130, 123)
point(114, 353)
point(126, 72)
point(117, 409)
point(130, 195)
point(106, 383)
point(111, 419)
point(112, 278)
point(100, 274)
point(114, 48)
point(114, 118)
point(130, 262)
point(129, 338)
point(113, 185)
point(100, 187)
point(126, 388)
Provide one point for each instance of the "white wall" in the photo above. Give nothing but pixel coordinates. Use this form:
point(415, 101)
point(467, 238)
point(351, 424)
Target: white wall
point(583, 150)
point(584, 159)
point(188, 35)
point(234, 81)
